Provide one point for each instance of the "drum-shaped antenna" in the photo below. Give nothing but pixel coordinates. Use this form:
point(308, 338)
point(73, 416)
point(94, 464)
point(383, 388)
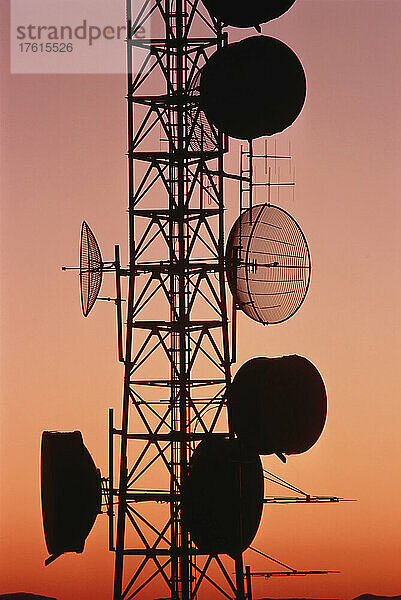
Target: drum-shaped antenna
point(278, 405)
point(249, 14)
point(223, 496)
point(90, 269)
point(268, 264)
point(252, 88)
point(202, 135)
point(71, 492)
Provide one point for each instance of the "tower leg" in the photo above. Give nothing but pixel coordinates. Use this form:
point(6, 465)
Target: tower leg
point(248, 583)
point(239, 577)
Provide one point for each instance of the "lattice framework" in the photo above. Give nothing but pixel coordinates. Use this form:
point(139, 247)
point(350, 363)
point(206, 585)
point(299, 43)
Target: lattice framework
point(177, 362)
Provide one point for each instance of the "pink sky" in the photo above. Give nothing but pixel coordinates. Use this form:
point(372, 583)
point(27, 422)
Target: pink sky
point(63, 160)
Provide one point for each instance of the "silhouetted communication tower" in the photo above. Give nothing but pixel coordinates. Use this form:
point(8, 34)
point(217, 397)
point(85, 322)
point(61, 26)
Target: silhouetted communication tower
point(197, 90)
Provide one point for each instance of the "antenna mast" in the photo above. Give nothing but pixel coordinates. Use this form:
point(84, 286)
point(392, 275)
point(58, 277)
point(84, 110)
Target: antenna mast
point(175, 428)
point(187, 225)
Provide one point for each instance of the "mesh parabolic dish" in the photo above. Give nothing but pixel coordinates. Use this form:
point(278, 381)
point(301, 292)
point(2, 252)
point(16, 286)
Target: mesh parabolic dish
point(268, 264)
point(202, 135)
point(90, 269)
point(254, 12)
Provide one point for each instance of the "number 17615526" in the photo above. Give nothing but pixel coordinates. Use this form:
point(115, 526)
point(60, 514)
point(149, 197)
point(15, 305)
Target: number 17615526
point(46, 47)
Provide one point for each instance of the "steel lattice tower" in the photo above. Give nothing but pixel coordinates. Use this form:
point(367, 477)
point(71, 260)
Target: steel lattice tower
point(177, 357)
point(184, 227)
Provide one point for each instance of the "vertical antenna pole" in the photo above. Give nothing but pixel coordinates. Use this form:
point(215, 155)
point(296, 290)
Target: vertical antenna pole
point(293, 187)
point(248, 583)
point(250, 176)
point(223, 268)
point(239, 575)
point(118, 304)
point(266, 155)
point(234, 333)
point(111, 480)
point(240, 181)
point(237, 258)
point(278, 185)
point(123, 480)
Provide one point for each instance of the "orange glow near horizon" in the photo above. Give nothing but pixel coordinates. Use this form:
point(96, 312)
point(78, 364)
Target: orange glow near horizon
point(63, 160)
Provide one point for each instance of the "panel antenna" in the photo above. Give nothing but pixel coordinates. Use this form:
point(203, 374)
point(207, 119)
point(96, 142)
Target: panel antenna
point(252, 88)
point(71, 492)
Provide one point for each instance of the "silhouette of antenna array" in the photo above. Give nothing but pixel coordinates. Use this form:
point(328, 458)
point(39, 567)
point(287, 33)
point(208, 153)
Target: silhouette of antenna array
point(185, 422)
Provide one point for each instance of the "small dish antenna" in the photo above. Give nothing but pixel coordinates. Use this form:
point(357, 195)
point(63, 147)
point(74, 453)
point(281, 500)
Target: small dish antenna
point(90, 269)
point(268, 264)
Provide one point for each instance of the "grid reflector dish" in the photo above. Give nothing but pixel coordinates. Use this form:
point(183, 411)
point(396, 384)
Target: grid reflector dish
point(268, 264)
point(201, 134)
point(90, 269)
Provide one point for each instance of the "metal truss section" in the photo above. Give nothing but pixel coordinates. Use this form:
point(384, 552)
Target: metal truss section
point(177, 359)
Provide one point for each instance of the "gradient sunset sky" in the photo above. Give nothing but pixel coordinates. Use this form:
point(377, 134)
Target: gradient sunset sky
point(63, 145)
